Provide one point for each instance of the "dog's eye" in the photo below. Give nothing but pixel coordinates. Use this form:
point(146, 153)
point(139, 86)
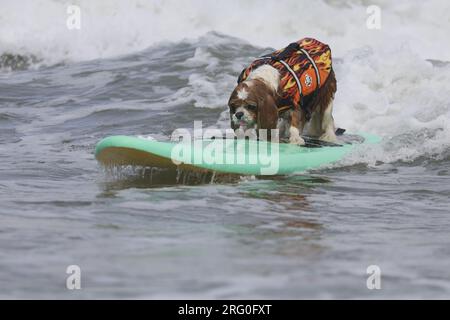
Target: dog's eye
point(251, 107)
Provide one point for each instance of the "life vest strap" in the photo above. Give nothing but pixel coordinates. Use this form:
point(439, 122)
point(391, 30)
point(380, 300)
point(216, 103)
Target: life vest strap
point(311, 60)
point(292, 72)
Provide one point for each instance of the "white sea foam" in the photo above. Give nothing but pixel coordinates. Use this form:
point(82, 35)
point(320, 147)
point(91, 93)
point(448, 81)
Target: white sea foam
point(385, 84)
point(114, 27)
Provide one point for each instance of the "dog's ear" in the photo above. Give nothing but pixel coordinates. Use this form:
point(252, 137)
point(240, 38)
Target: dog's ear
point(232, 126)
point(231, 110)
point(267, 113)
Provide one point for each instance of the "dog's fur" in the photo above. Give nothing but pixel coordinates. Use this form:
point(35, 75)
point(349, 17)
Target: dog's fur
point(258, 96)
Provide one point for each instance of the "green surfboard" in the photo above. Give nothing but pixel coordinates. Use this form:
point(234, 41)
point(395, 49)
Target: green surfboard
point(234, 156)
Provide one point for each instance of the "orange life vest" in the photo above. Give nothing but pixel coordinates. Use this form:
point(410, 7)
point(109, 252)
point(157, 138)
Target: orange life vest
point(304, 67)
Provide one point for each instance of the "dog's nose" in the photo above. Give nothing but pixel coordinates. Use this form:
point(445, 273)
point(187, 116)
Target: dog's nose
point(239, 115)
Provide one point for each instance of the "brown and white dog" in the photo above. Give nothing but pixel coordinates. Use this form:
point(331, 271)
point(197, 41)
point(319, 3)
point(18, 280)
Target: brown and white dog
point(267, 97)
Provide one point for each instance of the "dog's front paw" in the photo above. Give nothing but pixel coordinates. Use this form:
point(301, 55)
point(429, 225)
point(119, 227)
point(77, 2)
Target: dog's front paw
point(295, 138)
point(328, 137)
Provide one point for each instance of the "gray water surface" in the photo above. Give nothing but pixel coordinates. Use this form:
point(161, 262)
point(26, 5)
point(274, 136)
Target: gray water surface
point(299, 236)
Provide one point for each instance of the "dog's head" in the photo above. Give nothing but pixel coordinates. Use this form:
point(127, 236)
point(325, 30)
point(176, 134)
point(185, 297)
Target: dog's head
point(253, 106)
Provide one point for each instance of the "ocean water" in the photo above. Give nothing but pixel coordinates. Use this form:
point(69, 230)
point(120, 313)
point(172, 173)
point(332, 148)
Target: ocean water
point(146, 68)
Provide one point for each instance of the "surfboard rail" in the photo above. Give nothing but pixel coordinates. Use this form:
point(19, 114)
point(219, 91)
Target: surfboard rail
point(245, 157)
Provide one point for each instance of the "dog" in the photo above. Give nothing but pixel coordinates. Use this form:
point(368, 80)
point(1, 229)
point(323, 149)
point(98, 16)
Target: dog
point(287, 90)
